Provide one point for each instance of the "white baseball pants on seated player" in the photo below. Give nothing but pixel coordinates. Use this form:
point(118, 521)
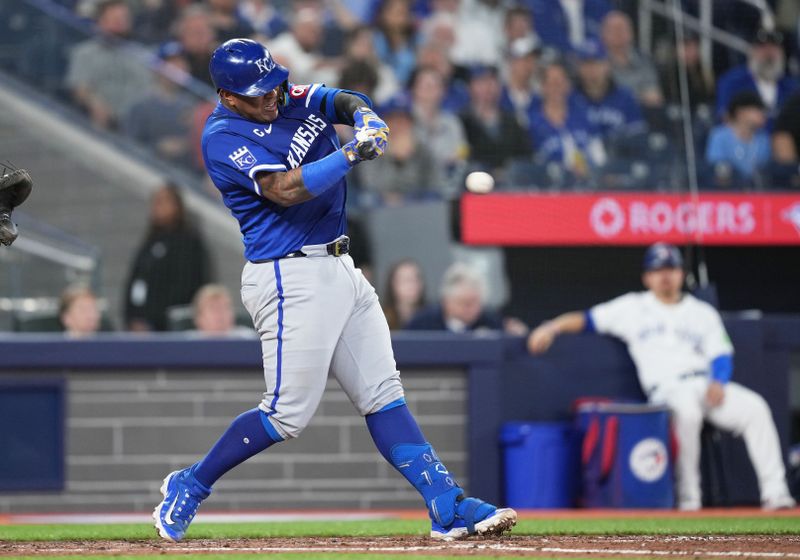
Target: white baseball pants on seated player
point(743, 412)
point(318, 314)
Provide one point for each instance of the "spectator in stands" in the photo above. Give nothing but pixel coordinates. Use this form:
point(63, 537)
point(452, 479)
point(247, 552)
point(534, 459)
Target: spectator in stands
point(566, 24)
point(395, 40)
point(455, 96)
point(441, 132)
point(786, 138)
point(170, 265)
point(518, 24)
point(226, 21)
point(560, 130)
point(104, 76)
point(630, 68)
point(359, 75)
point(198, 39)
point(213, 313)
point(161, 120)
point(701, 80)
point(461, 308)
point(479, 33)
point(742, 142)
point(612, 110)
point(360, 47)
point(684, 359)
point(406, 169)
point(494, 135)
point(153, 20)
point(520, 85)
point(299, 48)
point(78, 312)
point(764, 73)
point(405, 293)
point(265, 19)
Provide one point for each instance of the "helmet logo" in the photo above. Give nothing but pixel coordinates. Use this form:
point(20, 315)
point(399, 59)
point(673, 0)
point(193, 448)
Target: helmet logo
point(265, 64)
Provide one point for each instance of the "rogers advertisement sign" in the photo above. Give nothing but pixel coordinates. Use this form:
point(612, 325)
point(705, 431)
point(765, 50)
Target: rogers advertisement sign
point(630, 219)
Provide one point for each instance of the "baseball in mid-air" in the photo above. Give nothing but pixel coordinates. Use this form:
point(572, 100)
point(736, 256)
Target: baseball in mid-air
point(479, 182)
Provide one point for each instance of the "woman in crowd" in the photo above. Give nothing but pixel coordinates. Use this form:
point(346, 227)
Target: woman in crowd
point(405, 293)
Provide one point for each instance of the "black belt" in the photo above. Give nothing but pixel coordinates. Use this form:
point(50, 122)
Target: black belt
point(687, 375)
point(336, 249)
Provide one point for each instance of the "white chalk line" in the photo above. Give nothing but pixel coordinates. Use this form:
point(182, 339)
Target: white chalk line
point(438, 548)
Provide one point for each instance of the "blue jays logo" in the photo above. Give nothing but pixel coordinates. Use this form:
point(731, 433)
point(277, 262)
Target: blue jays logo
point(243, 158)
point(662, 252)
point(792, 215)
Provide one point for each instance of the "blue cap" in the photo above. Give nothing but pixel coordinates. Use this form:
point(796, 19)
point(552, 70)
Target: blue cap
point(399, 103)
point(591, 49)
point(170, 49)
point(480, 70)
point(662, 255)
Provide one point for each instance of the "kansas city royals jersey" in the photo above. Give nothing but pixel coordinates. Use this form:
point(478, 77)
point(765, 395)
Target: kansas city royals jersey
point(665, 341)
point(236, 149)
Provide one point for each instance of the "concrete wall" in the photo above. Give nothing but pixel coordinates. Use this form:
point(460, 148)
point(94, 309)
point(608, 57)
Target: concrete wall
point(127, 430)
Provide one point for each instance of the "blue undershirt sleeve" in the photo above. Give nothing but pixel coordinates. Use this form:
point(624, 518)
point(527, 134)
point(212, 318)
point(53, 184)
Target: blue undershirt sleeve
point(589, 327)
point(321, 175)
point(722, 368)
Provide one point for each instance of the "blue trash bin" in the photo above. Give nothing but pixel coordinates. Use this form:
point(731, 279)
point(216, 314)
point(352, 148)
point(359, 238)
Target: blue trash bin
point(626, 456)
point(542, 464)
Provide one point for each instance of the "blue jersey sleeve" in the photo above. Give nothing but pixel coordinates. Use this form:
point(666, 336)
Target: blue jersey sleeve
point(235, 160)
point(319, 98)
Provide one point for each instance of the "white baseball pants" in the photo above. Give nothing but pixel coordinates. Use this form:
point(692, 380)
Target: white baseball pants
point(743, 412)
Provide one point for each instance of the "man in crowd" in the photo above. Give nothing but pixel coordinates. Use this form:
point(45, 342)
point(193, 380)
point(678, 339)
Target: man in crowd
point(630, 68)
point(494, 135)
point(764, 73)
point(612, 110)
point(462, 308)
point(742, 142)
point(104, 75)
point(566, 24)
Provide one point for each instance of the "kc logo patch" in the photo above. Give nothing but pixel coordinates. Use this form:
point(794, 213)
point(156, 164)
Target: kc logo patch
point(265, 64)
point(243, 158)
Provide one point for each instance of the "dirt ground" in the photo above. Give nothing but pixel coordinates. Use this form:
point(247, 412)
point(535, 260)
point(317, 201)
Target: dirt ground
point(750, 546)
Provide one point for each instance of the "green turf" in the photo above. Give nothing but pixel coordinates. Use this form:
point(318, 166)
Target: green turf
point(627, 526)
point(288, 556)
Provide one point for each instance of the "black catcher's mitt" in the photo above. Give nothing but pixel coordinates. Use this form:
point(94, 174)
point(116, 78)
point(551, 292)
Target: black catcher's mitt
point(14, 189)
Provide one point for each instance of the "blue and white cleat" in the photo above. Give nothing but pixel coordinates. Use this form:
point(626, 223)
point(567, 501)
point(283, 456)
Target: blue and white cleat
point(182, 496)
point(475, 517)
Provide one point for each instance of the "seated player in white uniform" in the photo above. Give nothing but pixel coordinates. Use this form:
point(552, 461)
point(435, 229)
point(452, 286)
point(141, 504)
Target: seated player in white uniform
point(684, 359)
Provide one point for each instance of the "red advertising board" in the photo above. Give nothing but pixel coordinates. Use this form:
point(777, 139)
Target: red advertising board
point(630, 219)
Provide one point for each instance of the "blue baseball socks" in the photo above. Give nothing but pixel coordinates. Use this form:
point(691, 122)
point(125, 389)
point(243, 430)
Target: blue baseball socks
point(249, 434)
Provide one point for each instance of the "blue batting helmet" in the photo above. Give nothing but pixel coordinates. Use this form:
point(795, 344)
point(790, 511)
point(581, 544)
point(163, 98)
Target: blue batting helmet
point(662, 255)
point(245, 67)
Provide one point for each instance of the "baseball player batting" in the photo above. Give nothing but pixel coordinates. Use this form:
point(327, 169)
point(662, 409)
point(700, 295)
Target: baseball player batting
point(684, 359)
point(271, 149)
